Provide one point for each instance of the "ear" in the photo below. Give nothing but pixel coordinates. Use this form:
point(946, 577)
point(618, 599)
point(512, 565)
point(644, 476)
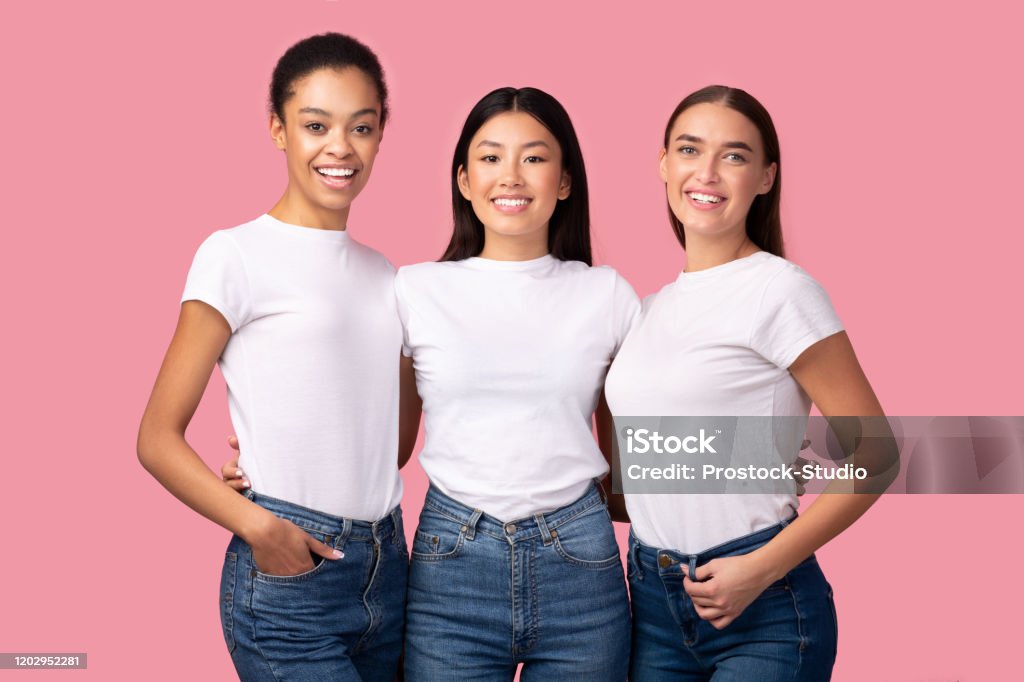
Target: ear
point(565, 186)
point(277, 133)
point(463, 178)
point(769, 178)
point(662, 165)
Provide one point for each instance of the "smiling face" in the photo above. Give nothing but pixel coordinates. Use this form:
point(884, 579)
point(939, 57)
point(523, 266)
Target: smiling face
point(330, 134)
point(714, 168)
point(513, 177)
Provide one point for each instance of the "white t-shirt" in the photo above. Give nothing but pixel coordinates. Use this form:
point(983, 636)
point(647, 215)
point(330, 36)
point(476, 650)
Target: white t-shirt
point(718, 342)
point(312, 362)
point(510, 359)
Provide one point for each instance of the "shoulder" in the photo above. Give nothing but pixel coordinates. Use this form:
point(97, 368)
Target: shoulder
point(424, 271)
point(371, 257)
point(236, 239)
point(786, 280)
point(598, 275)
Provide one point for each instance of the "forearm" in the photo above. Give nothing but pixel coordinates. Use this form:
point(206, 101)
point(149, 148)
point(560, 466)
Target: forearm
point(165, 454)
point(826, 518)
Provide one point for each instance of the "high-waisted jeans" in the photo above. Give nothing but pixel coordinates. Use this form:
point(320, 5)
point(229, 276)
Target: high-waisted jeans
point(788, 633)
point(546, 591)
point(341, 620)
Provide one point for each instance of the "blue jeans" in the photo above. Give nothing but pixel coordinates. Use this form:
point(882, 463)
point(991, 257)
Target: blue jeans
point(341, 620)
point(787, 633)
point(546, 591)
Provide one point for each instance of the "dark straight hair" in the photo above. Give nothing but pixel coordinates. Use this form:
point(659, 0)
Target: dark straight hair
point(764, 226)
point(569, 227)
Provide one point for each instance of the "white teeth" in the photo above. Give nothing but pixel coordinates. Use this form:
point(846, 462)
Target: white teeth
point(336, 172)
point(511, 202)
point(704, 198)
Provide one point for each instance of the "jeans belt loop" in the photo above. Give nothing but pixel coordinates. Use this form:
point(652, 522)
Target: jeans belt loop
point(545, 534)
point(471, 524)
point(693, 567)
point(634, 552)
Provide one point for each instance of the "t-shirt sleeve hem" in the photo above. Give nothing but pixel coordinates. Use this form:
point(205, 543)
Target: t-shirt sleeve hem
point(214, 303)
point(808, 340)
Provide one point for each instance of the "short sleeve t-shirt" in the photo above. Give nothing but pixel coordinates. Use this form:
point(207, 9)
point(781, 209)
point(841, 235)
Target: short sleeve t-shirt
point(510, 358)
point(311, 365)
point(719, 342)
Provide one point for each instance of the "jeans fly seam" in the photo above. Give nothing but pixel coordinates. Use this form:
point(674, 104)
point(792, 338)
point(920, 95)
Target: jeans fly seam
point(371, 629)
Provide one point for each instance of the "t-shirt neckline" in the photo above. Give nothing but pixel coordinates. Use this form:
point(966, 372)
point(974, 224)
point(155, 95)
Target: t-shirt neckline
point(304, 231)
point(725, 268)
point(508, 265)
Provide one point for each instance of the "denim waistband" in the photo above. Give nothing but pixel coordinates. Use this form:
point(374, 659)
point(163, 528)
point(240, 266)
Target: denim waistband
point(669, 561)
point(328, 524)
point(538, 525)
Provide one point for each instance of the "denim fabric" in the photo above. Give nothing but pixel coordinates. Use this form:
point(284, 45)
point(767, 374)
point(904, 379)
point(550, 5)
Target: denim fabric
point(788, 633)
point(341, 620)
point(546, 591)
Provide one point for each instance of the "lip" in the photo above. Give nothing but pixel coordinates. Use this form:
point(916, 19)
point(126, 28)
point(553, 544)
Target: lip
point(511, 210)
point(705, 207)
point(336, 182)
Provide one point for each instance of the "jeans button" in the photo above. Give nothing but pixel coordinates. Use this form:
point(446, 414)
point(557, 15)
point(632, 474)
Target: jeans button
point(664, 561)
point(510, 528)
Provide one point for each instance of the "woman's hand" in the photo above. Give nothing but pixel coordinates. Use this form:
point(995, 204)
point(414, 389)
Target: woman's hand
point(232, 475)
point(282, 548)
point(726, 587)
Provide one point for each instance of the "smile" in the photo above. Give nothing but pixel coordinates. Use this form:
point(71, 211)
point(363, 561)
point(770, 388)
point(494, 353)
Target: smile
point(337, 172)
point(511, 204)
point(702, 198)
point(336, 178)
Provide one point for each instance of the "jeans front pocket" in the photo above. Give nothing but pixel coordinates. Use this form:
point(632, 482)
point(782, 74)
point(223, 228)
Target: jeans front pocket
point(437, 537)
point(319, 563)
point(588, 540)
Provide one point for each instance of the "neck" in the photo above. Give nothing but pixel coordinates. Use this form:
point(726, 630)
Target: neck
point(514, 248)
point(703, 252)
point(295, 211)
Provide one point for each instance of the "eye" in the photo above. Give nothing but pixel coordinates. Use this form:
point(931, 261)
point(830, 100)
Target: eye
point(316, 127)
point(687, 150)
point(490, 158)
point(363, 129)
point(534, 159)
point(733, 156)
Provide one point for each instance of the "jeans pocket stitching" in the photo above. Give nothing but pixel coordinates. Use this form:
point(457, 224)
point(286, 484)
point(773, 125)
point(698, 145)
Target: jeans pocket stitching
point(228, 599)
point(587, 563)
point(431, 556)
point(318, 567)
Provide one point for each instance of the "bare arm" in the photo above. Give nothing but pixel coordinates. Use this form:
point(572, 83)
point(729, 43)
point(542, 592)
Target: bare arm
point(279, 546)
point(830, 374)
point(607, 442)
point(410, 406)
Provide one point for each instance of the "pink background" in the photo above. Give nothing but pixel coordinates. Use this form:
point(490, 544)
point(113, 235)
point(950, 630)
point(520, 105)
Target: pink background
point(137, 129)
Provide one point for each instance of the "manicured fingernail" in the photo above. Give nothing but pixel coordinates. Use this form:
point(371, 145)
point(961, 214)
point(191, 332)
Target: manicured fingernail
point(338, 554)
point(246, 484)
point(239, 473)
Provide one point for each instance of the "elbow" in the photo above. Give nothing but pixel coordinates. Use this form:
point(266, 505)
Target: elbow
point(144, 446)
point(151, 442)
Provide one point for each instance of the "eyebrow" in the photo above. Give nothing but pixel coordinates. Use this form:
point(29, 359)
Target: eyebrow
point(323, 112)
point(728, 145)
point(528, 145)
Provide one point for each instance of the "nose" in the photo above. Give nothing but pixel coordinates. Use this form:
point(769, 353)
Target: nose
point(338, 144)
point(708, 171)
point(510, 174)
